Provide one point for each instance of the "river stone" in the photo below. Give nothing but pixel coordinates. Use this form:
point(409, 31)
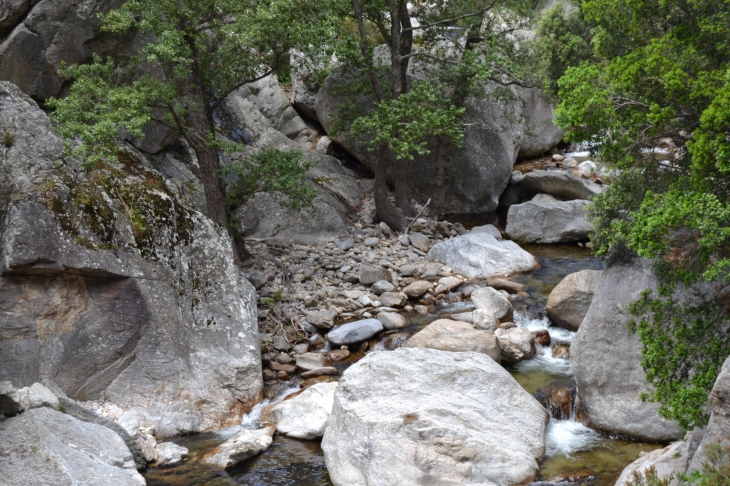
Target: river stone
point(450, 283)
point(43, 446)
point(489, 229)
point(504, 284)
point(455, 418)
point(244, 444)
point(9, 399)
point(606, 357)
point(569, 301)
point(169, 453)
point(419, 241)
point(354, 332)
point(494, 302)
point(393, 299)
point(392, 320)
point(559, 184)
point(481, 255)
point(372, 242)
point(463, 317)
point(326, 371)
point(345, 244)
point(417, 289)
point(305, 416)
point(517, 344)
point(457, 336)
point(312, 361)
point(546, 220)
point(323, 319)
point(484, 319)
point(382, 286)
point(371, 275)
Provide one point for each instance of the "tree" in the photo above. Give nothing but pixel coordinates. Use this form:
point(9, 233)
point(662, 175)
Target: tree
point(459, 46)
point(653, 102)
point(193, 54)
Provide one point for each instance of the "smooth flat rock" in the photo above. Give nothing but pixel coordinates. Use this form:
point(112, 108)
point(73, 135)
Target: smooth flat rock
point(312, 361)
point(569, 301)
point(244, 445)
point(393, 299)
point(305, 416)
point(456, 336)
point(382, 286)
point(545, 220)
point(354, 332)
point(414, 413)
point(323, 319)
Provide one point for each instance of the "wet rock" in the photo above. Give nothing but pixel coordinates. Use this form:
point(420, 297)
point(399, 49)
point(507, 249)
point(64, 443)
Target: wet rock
point(516, 343)
point(561, 351)
point(317, 341)
point(9, 399)
point(244, 445)
point(323, 319)
point(419, 241)
point(421, 310)
point(305, 416)
point(463, 411)
point(569, 301)
point(393, 299)
point(354, 332)
point(456, 336)
point(417, 289)
point(169, 454)
point(382, 286)
point(558, 399)
point(392, 320)
point(492, 301)
point(312, 361)
point(339, 354)
point(504, 284)
point(43, 446)
point(606, 357)
point(324, 371)
point(545, 220)
point(481, 255)
point(371, 275)
point(542, 337)
point(395, 341)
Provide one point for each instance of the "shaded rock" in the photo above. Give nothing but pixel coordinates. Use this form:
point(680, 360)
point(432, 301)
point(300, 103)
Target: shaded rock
point(542, 337)
point(492, 301)
point(382, 286)
point(559, 184)
point(280, 343)
point(516, 343)
point(395, 341)
point(480, 255)
point(417, 289)
point(325, 371)
point(606, 357)
point(558, 399)
point(148, 450)
point(354, 332)
point(42, 446)
point(244, 444)
point(322, 319)
point(305, 416)
point(371, 275)
point(9, 399)
point(457, 336)
point(419, 241)
point(393, 299)
point(169, 454)
point(462, 411)
point(312, 361)
point(546, 220)
point(392, 320)
point(569, 301)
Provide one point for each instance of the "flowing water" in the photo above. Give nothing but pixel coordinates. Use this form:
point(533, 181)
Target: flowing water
point(572, 449)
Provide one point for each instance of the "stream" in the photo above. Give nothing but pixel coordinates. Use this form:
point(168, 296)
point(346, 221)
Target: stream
point(572, 449)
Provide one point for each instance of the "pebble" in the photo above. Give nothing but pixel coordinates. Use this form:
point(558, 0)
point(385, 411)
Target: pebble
point(371, 242)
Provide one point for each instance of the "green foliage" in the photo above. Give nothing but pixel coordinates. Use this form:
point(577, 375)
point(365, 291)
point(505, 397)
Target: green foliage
point(715, 471)
point(657, 74)
point(8, 139)
point(271, 302)
point(284, 173)
point(62, 409)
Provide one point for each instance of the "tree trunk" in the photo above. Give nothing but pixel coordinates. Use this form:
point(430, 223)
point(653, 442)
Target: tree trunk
point(387, 212)
point(402, 186)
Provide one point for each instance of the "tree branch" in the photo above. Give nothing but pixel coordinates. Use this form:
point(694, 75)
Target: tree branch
point(429, 56)
point(454, 19)
point(234, 88)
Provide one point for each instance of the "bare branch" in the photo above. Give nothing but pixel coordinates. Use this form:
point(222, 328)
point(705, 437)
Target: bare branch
point(430, 56)
point(454, 19)
point(234, 88)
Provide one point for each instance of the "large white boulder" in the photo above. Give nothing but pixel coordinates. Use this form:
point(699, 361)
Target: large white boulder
point(546, 220)
point(305, 416)
point(481, 255)
point(422, 416)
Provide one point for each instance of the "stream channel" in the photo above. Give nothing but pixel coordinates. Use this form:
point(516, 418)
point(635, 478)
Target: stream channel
point(573, 450)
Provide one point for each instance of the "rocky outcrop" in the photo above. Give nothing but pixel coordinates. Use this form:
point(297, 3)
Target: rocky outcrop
point(415, 416)
point(43, 446)
point(546, 220)
point(496, 131)
point(606, 357)
point(305, 416)
point(109, 285)
point(562, 185)
point(481, 255)
point(569, 301)
point(456, 336)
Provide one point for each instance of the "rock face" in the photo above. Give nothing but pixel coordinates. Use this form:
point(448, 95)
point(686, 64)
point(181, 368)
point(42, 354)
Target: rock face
point(496, 131)
point(457, 336)
point(136, 295)
point(245, 444)
point(42, 446)
point(606, 357)
point(559, 184)
point(305, 416)
point(481, 255)
point(569, 301)
point(421, 416)
point(546, 220)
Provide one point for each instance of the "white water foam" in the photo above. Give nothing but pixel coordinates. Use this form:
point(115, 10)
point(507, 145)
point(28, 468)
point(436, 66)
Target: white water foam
point(558, 335)
point(566, 437)
point(251, 420)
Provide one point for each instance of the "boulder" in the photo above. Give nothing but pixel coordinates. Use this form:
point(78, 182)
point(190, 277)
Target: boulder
point(481, 255)
point(169, 454)
point(244, 445)
point(9, 399)
point(419, 241)
point(546, 220)
point(516, 343)
point(312, 361)
point(392, 320)
point(305, 416)
point(354, 332)
point(125, 307)
point(457, 336)
point(569, 301)
point(36, 396)
point(671, 459)
point(493, 302)
point(606, 357)
point(43, 446)
point(483, 319)
point(393, 299)
point(562, 185)
point(371, 275)
point(412, 415)
point(489, 229)
point(417, 289)
point(304, 84)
